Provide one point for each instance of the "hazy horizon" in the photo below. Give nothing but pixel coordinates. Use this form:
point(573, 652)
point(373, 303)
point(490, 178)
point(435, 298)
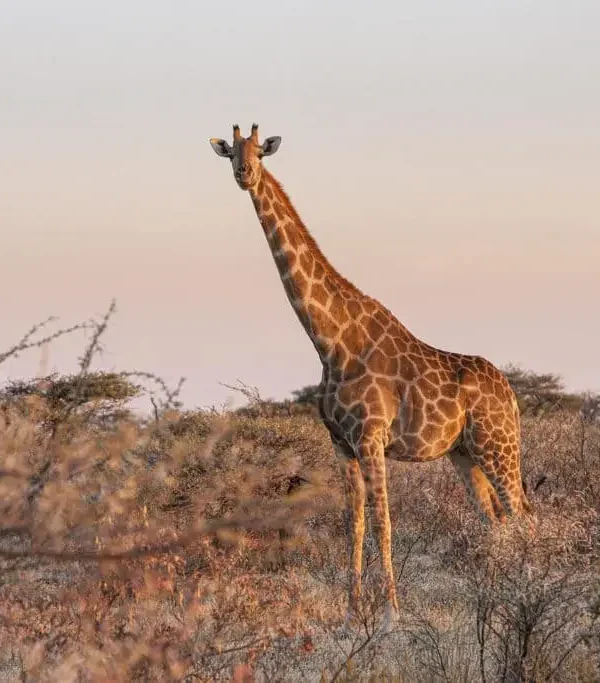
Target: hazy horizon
point(446, 160)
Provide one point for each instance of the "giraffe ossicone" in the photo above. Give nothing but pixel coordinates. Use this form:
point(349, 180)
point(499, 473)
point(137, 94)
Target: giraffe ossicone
point(384, 392)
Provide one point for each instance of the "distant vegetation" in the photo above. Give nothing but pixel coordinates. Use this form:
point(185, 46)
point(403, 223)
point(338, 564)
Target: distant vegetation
point(209, 545)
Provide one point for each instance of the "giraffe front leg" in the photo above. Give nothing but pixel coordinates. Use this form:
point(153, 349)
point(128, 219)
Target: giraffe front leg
point(372, 463)
point(355, 527)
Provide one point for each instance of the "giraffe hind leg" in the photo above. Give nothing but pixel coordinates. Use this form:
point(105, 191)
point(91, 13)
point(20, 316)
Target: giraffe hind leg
point(481, 492)
point(504, 473)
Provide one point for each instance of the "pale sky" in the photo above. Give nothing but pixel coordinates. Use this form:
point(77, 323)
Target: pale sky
point(445, 156)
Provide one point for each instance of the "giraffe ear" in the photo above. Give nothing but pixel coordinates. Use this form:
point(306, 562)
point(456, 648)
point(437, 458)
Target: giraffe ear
point(221, 147)
point(270, 145)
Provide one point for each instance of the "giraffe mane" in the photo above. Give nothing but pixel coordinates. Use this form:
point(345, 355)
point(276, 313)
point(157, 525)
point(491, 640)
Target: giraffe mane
point(309, 239)
point(316, 250)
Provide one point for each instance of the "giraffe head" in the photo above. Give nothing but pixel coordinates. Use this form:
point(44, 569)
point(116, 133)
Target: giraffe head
point(246, 154)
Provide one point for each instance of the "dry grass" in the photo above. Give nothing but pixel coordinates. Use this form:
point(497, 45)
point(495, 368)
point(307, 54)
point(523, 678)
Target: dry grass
point(210, 546)
point(228, 536)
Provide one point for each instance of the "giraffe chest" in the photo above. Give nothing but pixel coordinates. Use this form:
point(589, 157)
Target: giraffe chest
point(346, 406)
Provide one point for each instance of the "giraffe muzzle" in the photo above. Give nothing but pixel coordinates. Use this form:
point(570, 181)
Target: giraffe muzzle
point(245, 179)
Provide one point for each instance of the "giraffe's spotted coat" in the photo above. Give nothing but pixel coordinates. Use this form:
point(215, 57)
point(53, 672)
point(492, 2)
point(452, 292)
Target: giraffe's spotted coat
point(383, 391)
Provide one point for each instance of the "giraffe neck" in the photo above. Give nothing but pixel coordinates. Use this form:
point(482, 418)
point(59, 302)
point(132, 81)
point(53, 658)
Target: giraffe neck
point(308, 278)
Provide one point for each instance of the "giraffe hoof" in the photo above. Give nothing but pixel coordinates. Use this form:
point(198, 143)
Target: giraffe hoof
point(531, 526)
point(390, 620)
point(349, 627)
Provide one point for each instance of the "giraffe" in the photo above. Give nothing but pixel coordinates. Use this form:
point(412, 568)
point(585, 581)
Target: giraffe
point(384, 393)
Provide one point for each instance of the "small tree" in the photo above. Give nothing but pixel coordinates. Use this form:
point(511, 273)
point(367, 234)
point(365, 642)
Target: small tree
point(540, 393)
point(307, 395)
point(96, 397)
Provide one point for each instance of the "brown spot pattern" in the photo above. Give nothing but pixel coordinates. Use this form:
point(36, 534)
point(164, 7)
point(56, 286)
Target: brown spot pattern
point(319, 294)
point(384, 386)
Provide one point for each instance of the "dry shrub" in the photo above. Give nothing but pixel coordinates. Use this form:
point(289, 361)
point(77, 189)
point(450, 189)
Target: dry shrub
point(210, 545)
point(184, 521)
point(537, 616)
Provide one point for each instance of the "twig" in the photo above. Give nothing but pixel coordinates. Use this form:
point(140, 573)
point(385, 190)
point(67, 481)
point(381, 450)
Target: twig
point(171, 395)
point(25, 342)
point(250, 392)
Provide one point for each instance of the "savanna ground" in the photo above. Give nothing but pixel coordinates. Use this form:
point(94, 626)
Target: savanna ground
point(210, 545)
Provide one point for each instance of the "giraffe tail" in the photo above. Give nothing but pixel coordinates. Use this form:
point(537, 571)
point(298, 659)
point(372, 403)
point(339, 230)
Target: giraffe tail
point(527, 506)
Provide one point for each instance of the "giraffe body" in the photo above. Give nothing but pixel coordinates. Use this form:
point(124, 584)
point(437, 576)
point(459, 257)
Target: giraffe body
point(384, 393)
